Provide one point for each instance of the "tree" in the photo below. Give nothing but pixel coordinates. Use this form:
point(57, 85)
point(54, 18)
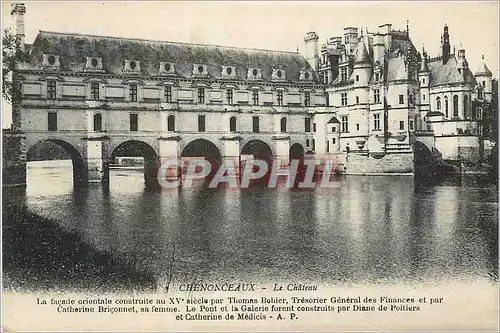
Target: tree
point(12, 54)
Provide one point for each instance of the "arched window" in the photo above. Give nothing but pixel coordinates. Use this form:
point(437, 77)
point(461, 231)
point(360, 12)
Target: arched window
point(438, 103)
point(232, 124)
point(171, 123)
point(97, 122)
point(466, 107)
point(283, 124)
point(455, 106)
point(446, 106)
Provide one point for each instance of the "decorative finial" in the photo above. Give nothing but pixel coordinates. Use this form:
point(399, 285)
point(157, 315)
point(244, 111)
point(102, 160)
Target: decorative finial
point(482, 57)
point(408, 27)
point(297, 48)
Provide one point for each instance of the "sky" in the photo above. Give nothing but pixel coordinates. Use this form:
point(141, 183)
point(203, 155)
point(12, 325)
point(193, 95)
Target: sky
point(269, 25)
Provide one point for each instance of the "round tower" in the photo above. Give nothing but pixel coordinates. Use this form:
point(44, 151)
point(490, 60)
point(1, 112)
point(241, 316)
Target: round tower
point(362, 65)
point(484, 77)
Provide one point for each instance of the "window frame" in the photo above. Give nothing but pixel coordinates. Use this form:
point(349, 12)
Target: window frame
point(255, 97)
point(133, 122)
point(52, 121)
point(51, 89)
point(95, 88)
point(201, 95)
point(133, 92)
point(202, 123)
point(255, 124)
point(168, 94)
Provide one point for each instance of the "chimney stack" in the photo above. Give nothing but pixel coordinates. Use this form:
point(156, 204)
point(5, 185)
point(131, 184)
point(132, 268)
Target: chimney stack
point(18, 10)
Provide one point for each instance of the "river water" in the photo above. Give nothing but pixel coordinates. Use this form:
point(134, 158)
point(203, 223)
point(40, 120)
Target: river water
point(382, 229)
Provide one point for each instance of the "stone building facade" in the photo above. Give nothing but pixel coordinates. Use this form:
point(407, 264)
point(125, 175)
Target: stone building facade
point(362, 100)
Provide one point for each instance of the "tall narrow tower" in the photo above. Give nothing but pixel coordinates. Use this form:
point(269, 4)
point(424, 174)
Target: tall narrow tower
point(18, 11)
point(446, 45)
point(311, 46)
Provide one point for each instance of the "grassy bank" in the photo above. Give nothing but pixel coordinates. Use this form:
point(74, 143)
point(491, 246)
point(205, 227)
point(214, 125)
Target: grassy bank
point(40, 255)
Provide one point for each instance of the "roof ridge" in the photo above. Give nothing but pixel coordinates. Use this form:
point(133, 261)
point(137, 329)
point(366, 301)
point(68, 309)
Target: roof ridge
point(167, 42)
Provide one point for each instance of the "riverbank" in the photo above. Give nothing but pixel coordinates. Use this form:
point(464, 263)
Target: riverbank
point(40, 255)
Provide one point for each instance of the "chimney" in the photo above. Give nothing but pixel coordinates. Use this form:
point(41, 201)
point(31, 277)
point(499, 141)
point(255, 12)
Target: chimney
point(311, 52)
point(18, 10)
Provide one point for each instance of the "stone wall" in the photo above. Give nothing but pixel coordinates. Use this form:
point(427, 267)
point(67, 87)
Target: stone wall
point(13, 158)
point(390, 163)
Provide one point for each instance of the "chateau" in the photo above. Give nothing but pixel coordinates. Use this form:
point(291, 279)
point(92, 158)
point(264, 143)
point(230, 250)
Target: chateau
point(363, 100)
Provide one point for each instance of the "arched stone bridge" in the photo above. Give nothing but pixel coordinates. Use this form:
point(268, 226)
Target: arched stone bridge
point(92, 152)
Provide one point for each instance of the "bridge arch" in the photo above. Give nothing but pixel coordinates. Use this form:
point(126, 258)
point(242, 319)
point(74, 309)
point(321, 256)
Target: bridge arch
point(424, 161)
point(205, 149)
point(258, 148)
point(136, 148)
point(79, 168)
point(297, 152)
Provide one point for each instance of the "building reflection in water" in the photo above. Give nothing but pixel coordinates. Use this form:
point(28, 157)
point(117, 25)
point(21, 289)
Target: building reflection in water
point(371, 230)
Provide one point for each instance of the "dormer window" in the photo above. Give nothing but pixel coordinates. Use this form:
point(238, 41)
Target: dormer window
point(228, 72)
point(305, 76)
point(200, 70)
point(278, 74)
point(51, 60)
point(166, 68)
point(93, 64)
point(254, 73)
point(132, 65)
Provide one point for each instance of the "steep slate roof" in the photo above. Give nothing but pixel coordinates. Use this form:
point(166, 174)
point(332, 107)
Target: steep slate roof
point(483, 69)
point(448, 73)
point(74, 48)
point(396, 69)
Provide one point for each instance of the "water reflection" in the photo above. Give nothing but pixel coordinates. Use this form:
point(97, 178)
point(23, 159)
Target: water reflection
point(373, 229)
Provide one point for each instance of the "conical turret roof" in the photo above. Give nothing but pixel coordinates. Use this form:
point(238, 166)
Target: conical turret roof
point(483, 69)
point(361, 53)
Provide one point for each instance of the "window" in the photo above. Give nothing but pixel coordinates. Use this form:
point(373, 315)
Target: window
point(201, 123)
point(232, 124)
point(401, 125)
point(280, 97)
point(333, 141)
point(97, 122)
point(423, 80)
point(229, 95)
point(343, 99)
point(52, 121)
point(313, 144)
point(377, 76)
point(307, 142)
point(51, 89)
point(255, 97)
point(455, 106)
point(168, 94)
point(343, 74)
point(255, 124)
point(94, 91)
point(171, 123)
point(345, 124)
point(201, 95)
point(376, 96)
point(307, 124)
point(307, 98)
point(327, 146)
point(423, 97)
point(376, 121)
point(283, 125)
point(134, 122)
point(314, 127)
point(446, 106)
point(484, 84)
point(438, 103)
point(401, 99)
point(133, 92)
point(479, 113)
point(411, 125)
point(357, 127)
point(357, 78)
point(334, 129)
point(479, 93)
point(357, 99)
point(466, 107)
